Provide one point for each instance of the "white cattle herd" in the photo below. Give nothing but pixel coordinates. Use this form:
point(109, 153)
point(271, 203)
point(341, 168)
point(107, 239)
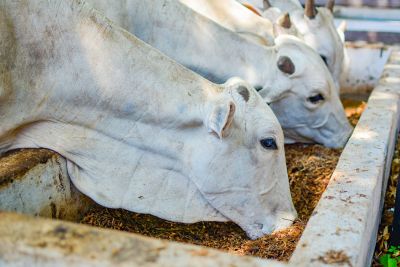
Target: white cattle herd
point(176, 108)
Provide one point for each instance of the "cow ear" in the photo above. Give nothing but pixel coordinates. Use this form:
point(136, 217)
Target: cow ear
point(221, 119)
point(285, 64)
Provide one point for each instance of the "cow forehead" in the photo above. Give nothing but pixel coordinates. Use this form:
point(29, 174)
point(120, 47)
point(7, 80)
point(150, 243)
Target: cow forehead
point(261, 123)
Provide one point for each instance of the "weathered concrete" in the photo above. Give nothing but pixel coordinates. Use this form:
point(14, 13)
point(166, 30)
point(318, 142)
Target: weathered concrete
point(347, 217)
point(36, 182)
point(34, 242)
point(366, 63)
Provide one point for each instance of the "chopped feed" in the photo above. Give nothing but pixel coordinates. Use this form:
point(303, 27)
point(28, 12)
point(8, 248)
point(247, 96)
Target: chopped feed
point(309, 167)
point(353, 109)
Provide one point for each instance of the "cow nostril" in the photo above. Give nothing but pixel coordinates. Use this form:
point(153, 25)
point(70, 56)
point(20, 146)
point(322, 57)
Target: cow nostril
point(267, 229)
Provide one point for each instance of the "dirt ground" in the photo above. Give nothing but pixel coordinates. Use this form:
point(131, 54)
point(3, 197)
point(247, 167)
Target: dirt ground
point(309, 167)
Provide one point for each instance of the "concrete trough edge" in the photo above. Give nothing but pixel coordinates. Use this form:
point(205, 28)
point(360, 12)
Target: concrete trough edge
point(45, 190)
point(28, 241)
point(342, 230)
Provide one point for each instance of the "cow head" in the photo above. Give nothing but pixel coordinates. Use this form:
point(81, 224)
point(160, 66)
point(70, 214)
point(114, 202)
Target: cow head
point(317, 29)
point(303, 96)
point(242, 162)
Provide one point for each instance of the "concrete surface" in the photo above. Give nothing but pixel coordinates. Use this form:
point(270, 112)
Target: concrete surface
point(366, 63)
point(27, 241)
point(347, 217)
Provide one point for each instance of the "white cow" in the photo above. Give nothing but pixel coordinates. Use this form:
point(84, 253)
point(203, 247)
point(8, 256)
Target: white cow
point(243, 20)
point(234, 16)
point(313, 25)
point(138, 130)
point(290, 76)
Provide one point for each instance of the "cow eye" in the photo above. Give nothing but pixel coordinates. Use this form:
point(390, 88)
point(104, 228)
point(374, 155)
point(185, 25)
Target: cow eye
point(324, 59)
point(269, 143)
point(316, 98)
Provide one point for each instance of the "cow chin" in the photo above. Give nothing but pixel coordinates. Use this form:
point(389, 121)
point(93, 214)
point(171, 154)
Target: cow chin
point(280, 221)
point(298, 135)
point(339, 141)
point(284, 219)
point(334, 133)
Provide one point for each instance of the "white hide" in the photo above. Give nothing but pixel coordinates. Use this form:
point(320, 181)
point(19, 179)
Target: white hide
point(321, 35)
point(235, 17)
point(217, 53)
point(138, 130)
point(239, 19)
point(286, 5)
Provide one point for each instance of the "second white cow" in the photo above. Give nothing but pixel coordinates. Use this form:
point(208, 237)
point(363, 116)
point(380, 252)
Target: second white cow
point(289, 76)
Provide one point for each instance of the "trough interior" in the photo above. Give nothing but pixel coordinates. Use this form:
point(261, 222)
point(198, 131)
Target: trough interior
point(35, 182)
point(365, 67)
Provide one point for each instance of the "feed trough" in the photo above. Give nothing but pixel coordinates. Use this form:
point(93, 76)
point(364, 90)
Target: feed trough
point(341, 230)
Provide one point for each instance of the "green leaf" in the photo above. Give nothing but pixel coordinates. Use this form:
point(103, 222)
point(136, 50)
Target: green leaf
point(384, 260)
point(392, 262)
